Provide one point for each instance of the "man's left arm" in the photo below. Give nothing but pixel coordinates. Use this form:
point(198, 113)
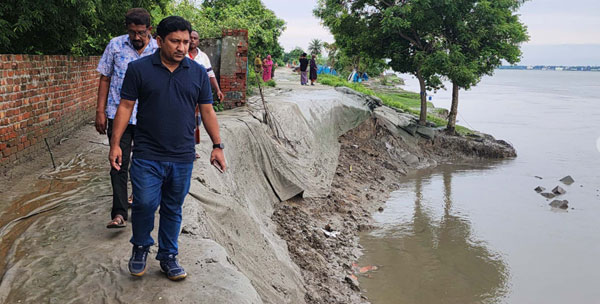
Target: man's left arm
point(209, 119)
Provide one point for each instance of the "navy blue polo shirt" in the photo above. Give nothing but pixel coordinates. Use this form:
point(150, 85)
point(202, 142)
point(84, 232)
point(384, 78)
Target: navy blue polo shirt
point(166, 106)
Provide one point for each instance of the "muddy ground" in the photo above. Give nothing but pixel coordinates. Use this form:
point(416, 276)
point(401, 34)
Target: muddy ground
point(322, 233)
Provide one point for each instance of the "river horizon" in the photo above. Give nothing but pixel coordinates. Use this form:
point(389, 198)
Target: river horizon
point(477, 232)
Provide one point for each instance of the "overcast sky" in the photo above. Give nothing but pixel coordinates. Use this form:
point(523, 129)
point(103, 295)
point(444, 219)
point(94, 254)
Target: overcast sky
point(561, 32)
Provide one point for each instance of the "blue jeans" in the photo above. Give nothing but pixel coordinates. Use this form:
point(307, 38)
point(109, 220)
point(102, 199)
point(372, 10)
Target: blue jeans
point(164, 184)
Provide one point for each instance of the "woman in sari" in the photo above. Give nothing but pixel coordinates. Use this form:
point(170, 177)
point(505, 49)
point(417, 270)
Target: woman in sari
point(313, 70)
point(267, 66)
point(257, 64)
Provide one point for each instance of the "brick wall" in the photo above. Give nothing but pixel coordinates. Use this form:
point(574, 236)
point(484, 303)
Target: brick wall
point(43, 97)
point(234, 63)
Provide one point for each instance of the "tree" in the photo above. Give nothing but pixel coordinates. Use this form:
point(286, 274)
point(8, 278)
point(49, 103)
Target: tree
point(264, 28)
point(353, 48)
point(405, 31)
point(65, 27)
point(332, 52)
point(478, 35)
point(293, 54)
point(315, 46)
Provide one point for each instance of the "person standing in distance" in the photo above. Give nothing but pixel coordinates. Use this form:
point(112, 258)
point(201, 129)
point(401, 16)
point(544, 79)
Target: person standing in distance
point(200, 57)
point(168, 86)
point(303, 69)
point(118, 54)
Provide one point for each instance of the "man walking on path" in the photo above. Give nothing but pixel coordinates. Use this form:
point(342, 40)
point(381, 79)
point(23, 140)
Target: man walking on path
point(168, 86)
point(112, 66)
point(303, 66)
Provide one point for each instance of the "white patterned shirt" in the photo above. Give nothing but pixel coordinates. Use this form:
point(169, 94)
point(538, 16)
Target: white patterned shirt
point(118, 54)
point(203, 60)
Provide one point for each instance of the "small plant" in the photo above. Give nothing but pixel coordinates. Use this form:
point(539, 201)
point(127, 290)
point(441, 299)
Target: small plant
point(218, 107)
point(270, 83)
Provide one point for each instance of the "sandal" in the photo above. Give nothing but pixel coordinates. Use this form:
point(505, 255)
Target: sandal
point(117, 222)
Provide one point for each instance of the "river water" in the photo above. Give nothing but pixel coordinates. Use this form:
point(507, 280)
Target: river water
point(478, 232)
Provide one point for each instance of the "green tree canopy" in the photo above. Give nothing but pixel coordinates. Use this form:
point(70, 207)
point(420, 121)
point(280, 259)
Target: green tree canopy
point(81, 27)
point(315, 47)
point(461, 40)
point(84, 27)
point(478, 35)
point(403, 31)
point(293, 54)
point(209, 19)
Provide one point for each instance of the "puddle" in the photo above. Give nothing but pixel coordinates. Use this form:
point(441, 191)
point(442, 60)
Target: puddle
point(52, 191)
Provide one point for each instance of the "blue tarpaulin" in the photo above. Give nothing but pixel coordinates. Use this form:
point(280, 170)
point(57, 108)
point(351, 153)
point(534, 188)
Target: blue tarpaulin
point(358, 77)
point(323, 69)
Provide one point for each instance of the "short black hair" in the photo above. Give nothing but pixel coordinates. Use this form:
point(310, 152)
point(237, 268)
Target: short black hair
point(303, 54)
point(172, 24)
point(137, 16)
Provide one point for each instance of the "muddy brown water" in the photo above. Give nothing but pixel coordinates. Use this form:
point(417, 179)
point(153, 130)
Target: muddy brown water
point(478, 232)
point(71, 184)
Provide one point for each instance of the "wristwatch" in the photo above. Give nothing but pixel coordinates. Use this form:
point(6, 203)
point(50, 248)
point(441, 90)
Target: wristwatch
point(219, 146)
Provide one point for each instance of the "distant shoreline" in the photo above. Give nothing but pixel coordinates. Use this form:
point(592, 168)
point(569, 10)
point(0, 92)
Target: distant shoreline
point(551, 68)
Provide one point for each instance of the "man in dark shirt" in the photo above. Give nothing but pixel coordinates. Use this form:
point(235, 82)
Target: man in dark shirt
point(303, 66)
point(168, 86)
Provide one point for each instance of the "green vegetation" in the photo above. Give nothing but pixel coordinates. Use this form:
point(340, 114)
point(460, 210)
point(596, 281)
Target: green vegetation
point(475, 50)
point(459, 40)
point(293, 55)
point(270, 83)
point(315, 47)
point(391, 80)
point(84, 27)
point(218, 106)
point(252, 81)
point(408, 102)
point(264, 28)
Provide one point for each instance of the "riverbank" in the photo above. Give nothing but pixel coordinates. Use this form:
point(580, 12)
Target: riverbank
point(323, 233)
point(251, 235)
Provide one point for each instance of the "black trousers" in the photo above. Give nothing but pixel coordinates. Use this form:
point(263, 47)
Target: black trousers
point(118, 179)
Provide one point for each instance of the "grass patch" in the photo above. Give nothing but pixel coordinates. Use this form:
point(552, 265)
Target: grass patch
point(409, 102)
point(391, 80)
point(270, 83)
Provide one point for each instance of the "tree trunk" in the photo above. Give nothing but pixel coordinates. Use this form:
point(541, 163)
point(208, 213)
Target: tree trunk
point(451, 127)
point(423, 116)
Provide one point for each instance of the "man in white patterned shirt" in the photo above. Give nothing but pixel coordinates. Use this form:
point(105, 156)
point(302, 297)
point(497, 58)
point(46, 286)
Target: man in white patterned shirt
point(121, 50)
point(200, 57)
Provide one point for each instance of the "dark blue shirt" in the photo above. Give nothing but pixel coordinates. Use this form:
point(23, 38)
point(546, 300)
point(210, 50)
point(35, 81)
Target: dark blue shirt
point(166, 106)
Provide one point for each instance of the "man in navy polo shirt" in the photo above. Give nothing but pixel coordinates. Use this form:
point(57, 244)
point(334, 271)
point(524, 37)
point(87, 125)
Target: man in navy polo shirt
point(168, 86)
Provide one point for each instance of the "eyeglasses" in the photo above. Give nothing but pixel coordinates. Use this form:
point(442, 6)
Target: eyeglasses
point(140, 33)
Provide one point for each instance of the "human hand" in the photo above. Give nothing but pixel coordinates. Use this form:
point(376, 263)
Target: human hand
point(101, 122)
point(218, 156)
point(115, 157)
point(220, 95)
